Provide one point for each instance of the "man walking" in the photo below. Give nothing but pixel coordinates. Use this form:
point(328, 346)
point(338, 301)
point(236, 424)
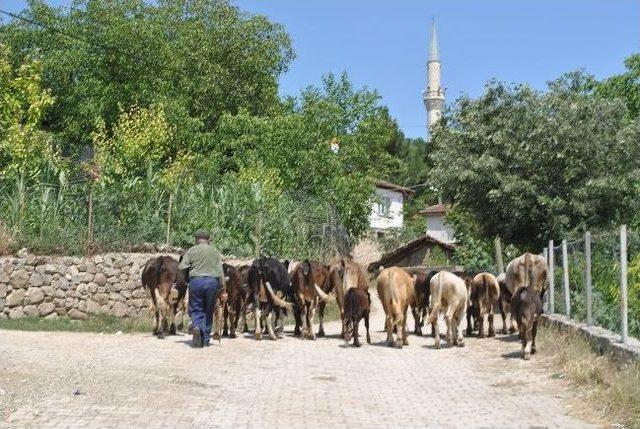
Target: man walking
point(206, 278)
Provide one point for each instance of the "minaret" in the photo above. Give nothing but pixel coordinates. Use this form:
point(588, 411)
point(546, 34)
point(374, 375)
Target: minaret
point(434, 94)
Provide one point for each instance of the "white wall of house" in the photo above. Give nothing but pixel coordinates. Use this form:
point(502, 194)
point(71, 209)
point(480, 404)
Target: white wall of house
point(386, 211)
point(437, 228)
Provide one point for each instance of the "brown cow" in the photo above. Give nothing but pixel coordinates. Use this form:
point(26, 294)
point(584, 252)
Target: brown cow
point(305, 279)
point(396, 289)
point(233, 307)
point(516, 275)
point(526, 307)
point(167, 288)
point(504, 304)
point(357, 305)
point(485, 293)
point(420, 306)
point(344, 274)
point(449, 295)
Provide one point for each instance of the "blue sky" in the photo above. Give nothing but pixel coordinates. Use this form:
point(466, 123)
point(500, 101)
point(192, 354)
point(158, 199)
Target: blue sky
point(383, 44)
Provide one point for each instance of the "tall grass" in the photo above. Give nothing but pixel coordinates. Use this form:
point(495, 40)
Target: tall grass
point(53, 218)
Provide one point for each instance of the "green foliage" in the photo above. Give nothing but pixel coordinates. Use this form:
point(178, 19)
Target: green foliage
point(529, 166)
point(25, 149)
point(201, 58)
point(472, 252)
point(624, 86)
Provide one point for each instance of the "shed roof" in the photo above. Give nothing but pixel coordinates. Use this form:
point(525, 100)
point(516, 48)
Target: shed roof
point(435, 209)
point(390, 258)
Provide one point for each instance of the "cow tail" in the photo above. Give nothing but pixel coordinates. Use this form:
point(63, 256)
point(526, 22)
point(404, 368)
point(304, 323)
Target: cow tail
point(528, 272)
point(435, 300)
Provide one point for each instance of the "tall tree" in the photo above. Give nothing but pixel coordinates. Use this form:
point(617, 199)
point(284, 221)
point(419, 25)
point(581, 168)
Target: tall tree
point(529, 165)
point(200, 58)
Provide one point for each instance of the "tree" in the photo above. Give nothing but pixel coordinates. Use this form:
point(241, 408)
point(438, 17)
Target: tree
point(200, 58)
point(530, 166)
point(26, 151)
point(625, 86)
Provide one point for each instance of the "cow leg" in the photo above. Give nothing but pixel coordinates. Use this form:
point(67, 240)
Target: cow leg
point(279, 323)
point(311, 312)
point(504, 316)
point(514, 325)
point(448, 320)
point(388, 326)
point(405, 342)
point(416, 319)
point(356, 339)
point(469, 324)
point(366, 325)
point(458, 318)
point(269, 323)
point(257, 333)
point(297, 313)
point(435, 331)
point(156, 328)
point(533, 337)
point(225, 317)
point(481, 326)
point(523, 338)
point(492, 333)
point(321, 317)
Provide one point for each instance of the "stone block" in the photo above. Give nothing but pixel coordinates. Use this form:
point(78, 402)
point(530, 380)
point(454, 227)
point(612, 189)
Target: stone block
point(36, 280)
point(46, 308)
point(19, 279)
point(34, 295)
point(30, 311)
point(101, 298)
point(15, 298)
point(93, 307)
point(76, 314)
point(16, 313)
point(52, 316)
point(100, 279)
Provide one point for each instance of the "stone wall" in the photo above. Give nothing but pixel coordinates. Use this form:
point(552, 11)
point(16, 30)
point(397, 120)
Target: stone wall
point(76, 287)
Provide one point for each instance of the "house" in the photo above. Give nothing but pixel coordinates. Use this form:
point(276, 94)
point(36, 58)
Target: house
point(388, 205)
point(436, 226)
point(426, 251)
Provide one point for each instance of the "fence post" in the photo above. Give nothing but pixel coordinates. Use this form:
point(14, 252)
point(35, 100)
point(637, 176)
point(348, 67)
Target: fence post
point(498, 248)
point(545, 254)
point(552, 280)
point(565, 279)
point(587, 277)
point(90, 219)
point(168, 241)
point(623, 283)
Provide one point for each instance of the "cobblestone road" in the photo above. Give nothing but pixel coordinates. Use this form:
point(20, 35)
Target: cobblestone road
point(133, 380)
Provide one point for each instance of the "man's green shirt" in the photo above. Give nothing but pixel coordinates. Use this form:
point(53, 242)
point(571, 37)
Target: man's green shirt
point(202, 260)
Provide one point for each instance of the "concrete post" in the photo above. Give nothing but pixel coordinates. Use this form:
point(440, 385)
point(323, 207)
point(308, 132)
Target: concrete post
point(565, 279)
point(552, 280)
point(623, 283)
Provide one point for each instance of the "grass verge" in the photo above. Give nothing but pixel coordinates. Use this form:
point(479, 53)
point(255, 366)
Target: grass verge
point(611, 390)
point(97, 323)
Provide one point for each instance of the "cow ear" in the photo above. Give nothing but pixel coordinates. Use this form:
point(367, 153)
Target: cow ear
point(415, 279)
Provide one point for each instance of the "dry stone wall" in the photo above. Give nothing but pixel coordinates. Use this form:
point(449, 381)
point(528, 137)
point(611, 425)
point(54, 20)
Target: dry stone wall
point(76, 287)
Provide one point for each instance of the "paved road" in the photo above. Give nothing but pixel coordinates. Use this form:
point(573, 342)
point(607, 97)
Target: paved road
point(122, 381)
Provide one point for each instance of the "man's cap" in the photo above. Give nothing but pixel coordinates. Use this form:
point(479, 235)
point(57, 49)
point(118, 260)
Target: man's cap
point(202, 234)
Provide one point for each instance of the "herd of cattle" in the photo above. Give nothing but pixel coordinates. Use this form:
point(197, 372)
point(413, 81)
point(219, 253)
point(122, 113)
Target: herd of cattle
point(266, 291)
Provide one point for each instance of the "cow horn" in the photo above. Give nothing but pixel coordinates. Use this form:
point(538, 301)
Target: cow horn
point(323, 296)
point(279, 302)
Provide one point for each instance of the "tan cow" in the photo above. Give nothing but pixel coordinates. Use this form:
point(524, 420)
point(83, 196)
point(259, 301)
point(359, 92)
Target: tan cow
point(516, 276)
point(344, 274)
point(449, 296)
point(396, 289)
point(485, 292)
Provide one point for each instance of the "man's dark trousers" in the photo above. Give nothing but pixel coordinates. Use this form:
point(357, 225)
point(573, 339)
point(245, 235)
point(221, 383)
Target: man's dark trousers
point(202, 297)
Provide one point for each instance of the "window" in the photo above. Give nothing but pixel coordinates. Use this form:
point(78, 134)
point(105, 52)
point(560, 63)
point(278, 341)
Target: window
point(384, 206)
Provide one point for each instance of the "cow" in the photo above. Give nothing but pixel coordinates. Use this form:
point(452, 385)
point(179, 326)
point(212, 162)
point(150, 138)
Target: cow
point(396, 289)
point(485, 292)
point(504, 304)
point(357, 305)
point(167, 287)
point(344, 274)
point(233, 308)
point(306, 278)
point(448, 294)
point(516, 275)
point(266, 276)
point(472, 318)
point(420, 306)
point(526, 307)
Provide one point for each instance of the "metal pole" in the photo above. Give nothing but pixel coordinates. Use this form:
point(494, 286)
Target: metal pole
point(623, 283)
point(168, 240)
point(545, 254)
point(587, 276)
point(499, 263)
point(565, 279)
point(552, 280)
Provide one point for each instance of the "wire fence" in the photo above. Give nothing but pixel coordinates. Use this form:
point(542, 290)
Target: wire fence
point(245, 220)
point(596, 280)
